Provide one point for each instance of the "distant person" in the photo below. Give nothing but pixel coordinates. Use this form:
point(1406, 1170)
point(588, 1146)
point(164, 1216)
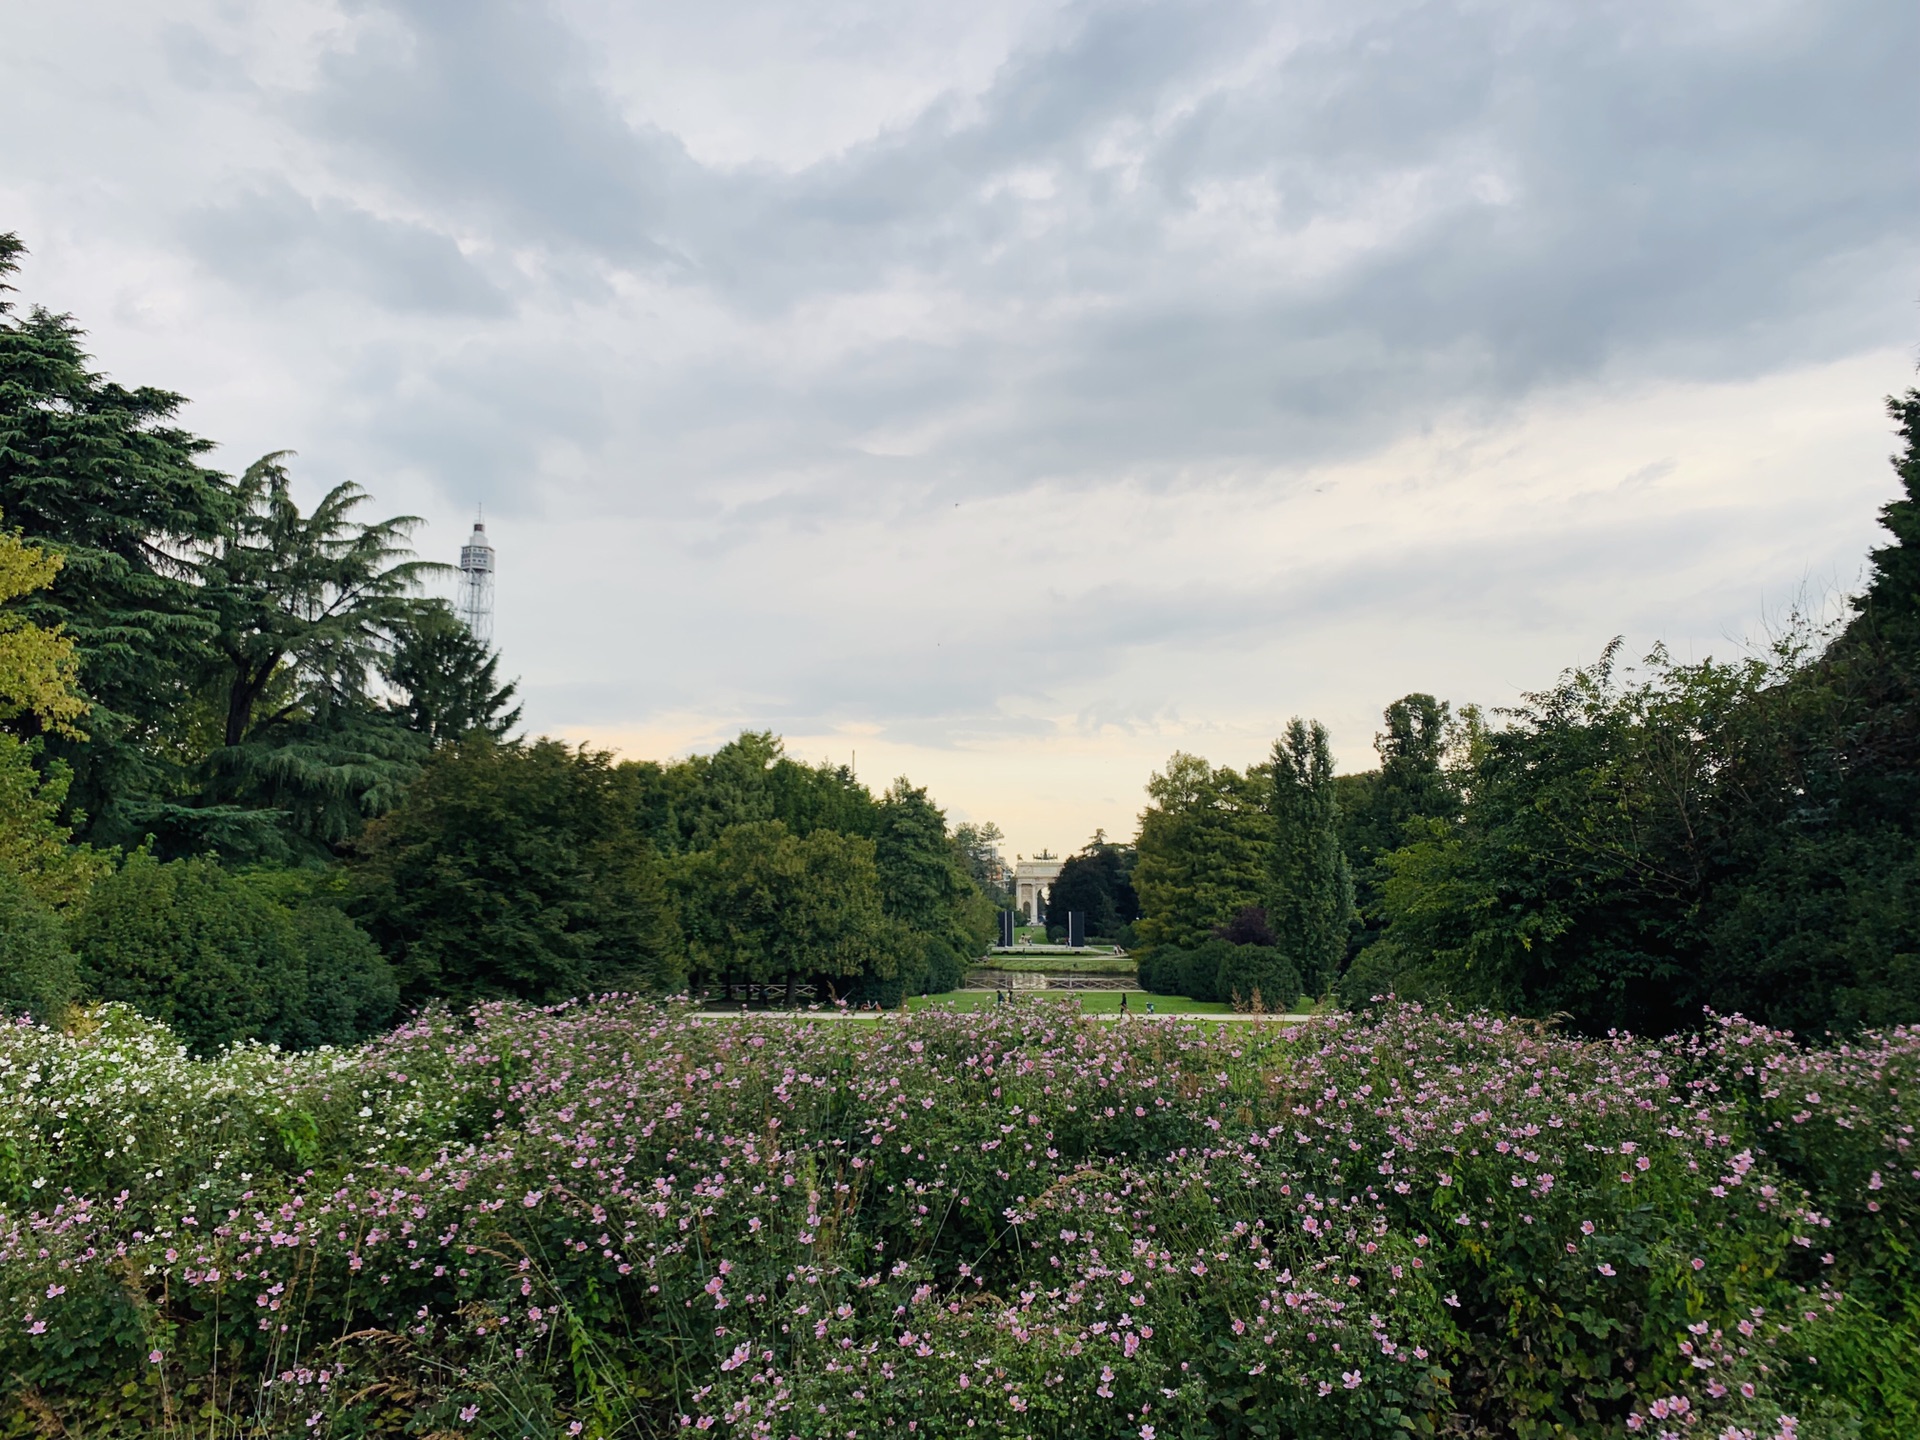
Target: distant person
point(1123, 1002)
point(1149, 1007)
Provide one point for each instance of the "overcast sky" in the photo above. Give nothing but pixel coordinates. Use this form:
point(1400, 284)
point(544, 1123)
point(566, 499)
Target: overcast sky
point(1015, 393)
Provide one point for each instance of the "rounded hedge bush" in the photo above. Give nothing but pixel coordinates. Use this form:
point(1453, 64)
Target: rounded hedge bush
point(219, 960)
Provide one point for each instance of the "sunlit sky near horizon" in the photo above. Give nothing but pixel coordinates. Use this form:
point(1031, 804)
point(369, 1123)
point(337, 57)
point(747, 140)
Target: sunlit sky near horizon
point(1014, 394)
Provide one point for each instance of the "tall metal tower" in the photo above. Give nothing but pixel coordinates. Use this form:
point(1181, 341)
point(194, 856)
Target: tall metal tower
point(475, 605)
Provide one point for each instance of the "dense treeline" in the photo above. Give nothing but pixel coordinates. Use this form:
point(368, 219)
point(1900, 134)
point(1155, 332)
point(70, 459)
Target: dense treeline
point(1621, 849)
point(256, 783)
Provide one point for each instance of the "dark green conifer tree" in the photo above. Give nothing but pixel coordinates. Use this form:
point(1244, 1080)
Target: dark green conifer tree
point(1310, 890)
point(448, 681)
point(103, 476)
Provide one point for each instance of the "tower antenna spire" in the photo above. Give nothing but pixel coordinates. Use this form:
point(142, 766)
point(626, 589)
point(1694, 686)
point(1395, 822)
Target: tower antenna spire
point(475, 603)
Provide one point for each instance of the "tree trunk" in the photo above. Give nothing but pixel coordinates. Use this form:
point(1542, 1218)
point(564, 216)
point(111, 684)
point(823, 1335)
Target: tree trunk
point(243, 695)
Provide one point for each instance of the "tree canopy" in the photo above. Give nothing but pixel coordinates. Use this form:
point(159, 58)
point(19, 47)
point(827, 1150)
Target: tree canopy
point(1098, 883)
point(1203, 849)
point(765, 905)
point(257, 781)
point(515, 870)
point(1627, 850)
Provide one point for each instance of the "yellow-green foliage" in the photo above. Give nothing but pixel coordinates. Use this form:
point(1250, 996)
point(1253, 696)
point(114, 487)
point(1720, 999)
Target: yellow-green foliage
point(39, 675)
point(38, 678)
point(35, 843)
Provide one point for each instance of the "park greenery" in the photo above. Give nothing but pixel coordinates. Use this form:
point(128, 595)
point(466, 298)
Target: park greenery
point(258, 785)
point(351, 1083)
point(1622, 850)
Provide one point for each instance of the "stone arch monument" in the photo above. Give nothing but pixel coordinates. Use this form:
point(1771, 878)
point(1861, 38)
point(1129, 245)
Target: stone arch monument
point(1032, 882)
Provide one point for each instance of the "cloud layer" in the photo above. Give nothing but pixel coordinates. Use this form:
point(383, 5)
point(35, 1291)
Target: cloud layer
point(1014, 393)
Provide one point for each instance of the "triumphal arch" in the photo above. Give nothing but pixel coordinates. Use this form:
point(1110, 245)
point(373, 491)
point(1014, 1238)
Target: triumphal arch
point(1032, 882)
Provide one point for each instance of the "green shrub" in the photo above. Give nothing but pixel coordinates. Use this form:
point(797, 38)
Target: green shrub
point(219, 958)
point(1172, 971)
point(190, 945)
point(1247, 974)
point(946, 967)
point(1217, 970)
point(1200, 970)
point(351, 989)
point(38, 976)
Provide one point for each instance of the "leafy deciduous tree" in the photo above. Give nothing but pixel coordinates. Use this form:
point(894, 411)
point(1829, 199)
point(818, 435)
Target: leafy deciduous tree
point(1095, 882)
point(515, 870)
point(765, 905)
point(38, 683)
point(924, 887)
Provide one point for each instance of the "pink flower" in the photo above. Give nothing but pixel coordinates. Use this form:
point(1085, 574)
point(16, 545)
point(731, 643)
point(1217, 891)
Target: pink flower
point(1604, 1269)
point(154, 1357)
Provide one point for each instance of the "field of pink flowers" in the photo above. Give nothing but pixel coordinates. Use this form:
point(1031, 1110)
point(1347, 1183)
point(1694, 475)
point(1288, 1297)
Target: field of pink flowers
point(617, 1219)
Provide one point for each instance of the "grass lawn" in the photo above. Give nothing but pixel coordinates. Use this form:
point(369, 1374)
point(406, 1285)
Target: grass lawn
point(1092, 1002)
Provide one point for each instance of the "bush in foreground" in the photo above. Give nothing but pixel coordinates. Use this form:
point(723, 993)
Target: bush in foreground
point(1245, 976)
point(221, 960)
point(616, 1219)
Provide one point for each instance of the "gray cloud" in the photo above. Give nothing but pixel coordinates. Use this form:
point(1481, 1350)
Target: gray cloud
point(486, 109)
point(280, 244)
point(1440, 205)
